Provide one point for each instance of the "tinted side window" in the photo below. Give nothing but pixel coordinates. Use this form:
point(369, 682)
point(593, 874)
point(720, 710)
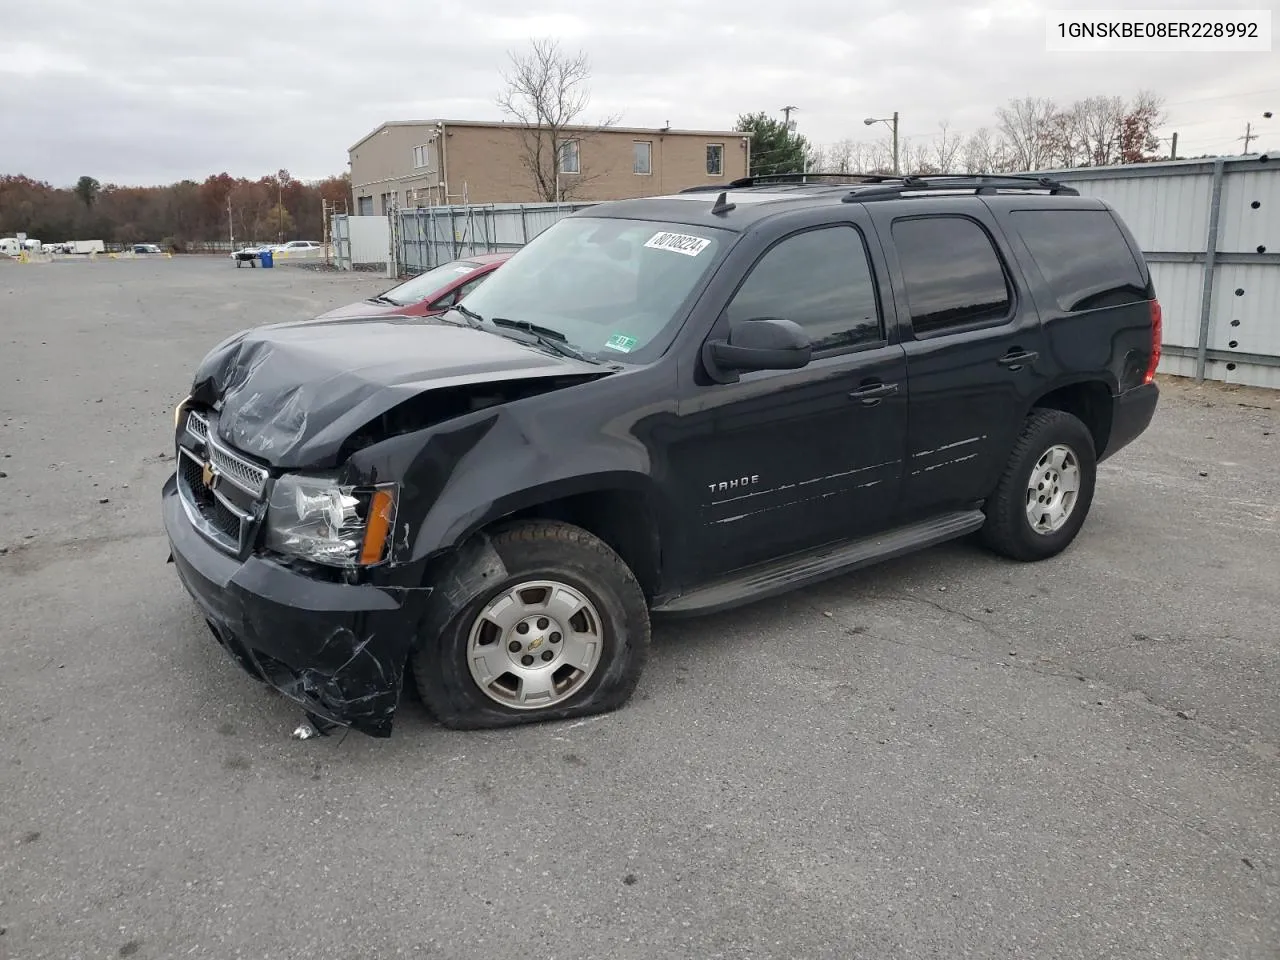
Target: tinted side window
point(820, 279)
point(1083, 256)
point(470, 285)
point(953, 275)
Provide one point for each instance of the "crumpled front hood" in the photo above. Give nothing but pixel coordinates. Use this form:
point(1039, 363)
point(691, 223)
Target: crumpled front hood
point(292, 393)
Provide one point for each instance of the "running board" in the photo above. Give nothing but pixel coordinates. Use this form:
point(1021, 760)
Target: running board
point(802, 569)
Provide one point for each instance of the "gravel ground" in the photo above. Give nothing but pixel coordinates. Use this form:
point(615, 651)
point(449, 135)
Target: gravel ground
point(945, 756)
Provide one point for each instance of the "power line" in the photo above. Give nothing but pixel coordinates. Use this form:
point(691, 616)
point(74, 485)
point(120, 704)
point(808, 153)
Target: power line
point(1225, 96)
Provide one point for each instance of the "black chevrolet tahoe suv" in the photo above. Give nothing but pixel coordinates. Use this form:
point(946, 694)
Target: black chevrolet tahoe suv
point(668, 405)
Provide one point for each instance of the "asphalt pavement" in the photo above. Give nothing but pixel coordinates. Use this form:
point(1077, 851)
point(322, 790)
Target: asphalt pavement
point(949, 755)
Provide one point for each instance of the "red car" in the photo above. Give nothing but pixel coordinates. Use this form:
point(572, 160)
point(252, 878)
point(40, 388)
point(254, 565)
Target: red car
point(428, 294)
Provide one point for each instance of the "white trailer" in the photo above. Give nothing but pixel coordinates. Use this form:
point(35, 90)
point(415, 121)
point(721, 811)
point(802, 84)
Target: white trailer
point(83, 246)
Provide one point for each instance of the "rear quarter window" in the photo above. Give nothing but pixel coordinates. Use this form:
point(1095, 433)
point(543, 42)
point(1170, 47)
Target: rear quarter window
point(1083, 257)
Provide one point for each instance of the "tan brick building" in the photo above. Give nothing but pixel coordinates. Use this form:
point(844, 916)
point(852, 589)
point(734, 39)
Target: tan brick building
point(432, 162)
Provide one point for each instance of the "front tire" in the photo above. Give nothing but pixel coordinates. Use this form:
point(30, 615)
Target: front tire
point(564, 634)
point(1043, 498)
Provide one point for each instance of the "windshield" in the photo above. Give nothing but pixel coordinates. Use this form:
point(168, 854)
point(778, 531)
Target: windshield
point(611, 287)
point(425, 286)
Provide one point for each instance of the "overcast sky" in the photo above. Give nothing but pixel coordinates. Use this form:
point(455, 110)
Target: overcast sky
point(141, 92)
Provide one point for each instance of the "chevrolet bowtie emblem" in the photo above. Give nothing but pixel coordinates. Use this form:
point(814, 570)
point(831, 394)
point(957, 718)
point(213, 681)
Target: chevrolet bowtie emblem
point(209, 475)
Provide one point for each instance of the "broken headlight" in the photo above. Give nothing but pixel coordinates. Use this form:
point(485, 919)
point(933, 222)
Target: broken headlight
point(320, 520)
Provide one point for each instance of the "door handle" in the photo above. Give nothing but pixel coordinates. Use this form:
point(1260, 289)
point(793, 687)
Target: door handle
point(1015, 359)
point(872, 393)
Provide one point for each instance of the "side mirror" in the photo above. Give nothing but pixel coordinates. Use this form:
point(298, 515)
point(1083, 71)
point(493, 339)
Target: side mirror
point(767, 343)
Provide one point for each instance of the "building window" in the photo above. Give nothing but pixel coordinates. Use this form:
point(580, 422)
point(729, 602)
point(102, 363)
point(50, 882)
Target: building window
point(570, 161)
point(421, 157)
point(642, 157)
point(364, 206)
point(388, 202)
point(715, 159)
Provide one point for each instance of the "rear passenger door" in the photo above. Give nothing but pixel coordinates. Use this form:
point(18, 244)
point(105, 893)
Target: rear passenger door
point(976, 353)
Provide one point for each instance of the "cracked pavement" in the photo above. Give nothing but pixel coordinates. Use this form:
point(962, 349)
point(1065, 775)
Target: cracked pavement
point(948, 755)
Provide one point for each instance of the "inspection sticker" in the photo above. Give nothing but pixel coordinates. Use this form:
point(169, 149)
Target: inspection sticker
point(678, 243)
point(621, 342)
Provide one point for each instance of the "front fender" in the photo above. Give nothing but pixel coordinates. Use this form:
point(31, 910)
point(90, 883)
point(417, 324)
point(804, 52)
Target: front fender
point(458, 477)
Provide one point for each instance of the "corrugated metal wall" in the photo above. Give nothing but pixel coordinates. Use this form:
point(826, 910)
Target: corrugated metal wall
point(1211, 231)
point(430, 236)
point(360, 241)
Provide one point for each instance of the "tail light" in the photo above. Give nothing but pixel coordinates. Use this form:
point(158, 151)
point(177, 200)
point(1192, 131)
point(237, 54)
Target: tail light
point(1157, 334)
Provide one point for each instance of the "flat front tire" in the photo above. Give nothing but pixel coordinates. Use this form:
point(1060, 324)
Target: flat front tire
point(1044, 495)
point(564, 634)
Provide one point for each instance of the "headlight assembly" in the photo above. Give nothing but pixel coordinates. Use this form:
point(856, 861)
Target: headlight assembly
point(317, 519)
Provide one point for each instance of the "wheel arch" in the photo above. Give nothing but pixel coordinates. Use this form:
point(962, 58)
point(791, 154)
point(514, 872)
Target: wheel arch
point(622, 508)
point(1090, 399)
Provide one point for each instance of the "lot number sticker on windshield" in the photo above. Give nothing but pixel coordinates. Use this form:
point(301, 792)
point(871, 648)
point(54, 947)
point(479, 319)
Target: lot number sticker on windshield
point(678, 243)
point(621, 342)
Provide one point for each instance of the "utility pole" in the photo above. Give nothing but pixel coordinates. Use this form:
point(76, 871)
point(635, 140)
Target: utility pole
point(231, 224)
point(1173, 148)
point(789, 127)
point(894, 123)
point(1249, 136)
point(896, 168)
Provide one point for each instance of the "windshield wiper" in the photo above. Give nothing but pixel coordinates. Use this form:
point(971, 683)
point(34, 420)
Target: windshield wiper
point(546, 336)
point(384, 299)
point(469, 314)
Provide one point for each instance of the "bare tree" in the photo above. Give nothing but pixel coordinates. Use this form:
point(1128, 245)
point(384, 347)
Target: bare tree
point(1026, 125)
point(840, 157)
point(985, 152)
point(546, 92)
point(916, 158)
point(945, 149)
point(1098, 123)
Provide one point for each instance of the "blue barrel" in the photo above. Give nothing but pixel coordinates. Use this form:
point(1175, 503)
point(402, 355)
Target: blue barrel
point(266, 258)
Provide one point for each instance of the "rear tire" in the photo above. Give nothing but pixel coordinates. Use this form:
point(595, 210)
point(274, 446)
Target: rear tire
point(564, 634)
point(1043, 498)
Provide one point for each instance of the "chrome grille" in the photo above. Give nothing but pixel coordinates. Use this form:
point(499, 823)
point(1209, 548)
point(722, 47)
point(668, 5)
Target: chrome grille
point(252, 479)
point(240, 471)
point(225, 512)
point(197, 425)
point(247, 476)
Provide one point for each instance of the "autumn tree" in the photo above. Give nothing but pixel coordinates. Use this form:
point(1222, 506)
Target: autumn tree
point(1138, 140)
point(182, 214)
point(547, 93)
point(275, 220)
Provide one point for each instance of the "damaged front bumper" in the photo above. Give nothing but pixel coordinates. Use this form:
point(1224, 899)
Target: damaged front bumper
point(338, 649)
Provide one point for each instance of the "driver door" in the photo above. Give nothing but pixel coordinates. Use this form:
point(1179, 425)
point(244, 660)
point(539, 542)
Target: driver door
point(785, 460)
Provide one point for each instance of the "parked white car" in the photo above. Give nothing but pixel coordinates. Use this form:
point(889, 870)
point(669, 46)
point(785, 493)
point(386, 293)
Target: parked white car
point(298, 245)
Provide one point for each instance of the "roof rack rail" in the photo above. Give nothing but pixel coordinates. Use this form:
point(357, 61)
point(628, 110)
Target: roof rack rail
point(763, 178)
point(888, 188)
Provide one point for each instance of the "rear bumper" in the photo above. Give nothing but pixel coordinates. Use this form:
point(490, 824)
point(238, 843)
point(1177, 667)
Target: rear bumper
point(1131, 416)
point(337, 649)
